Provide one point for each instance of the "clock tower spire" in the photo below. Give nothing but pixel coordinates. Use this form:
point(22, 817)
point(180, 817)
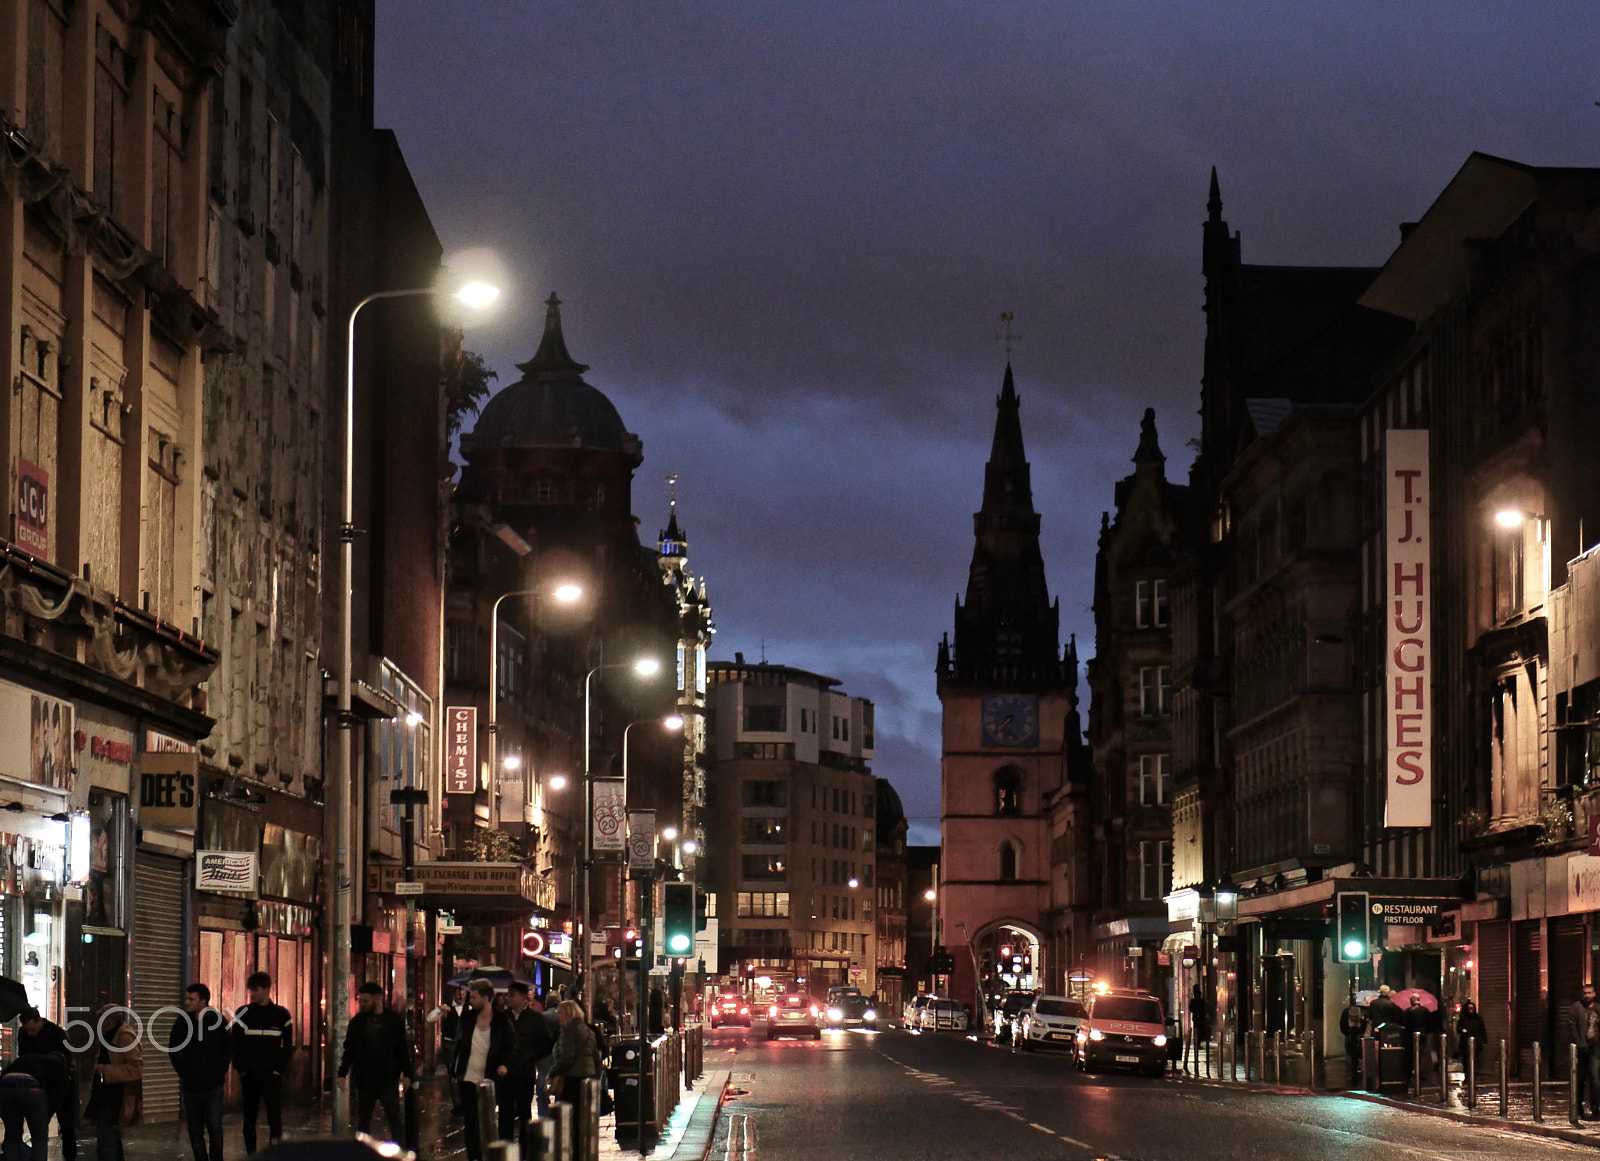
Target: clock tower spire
point(1011, 741)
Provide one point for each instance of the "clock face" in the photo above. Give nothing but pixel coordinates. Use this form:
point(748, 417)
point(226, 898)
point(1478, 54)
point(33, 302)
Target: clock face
point(1011, 719)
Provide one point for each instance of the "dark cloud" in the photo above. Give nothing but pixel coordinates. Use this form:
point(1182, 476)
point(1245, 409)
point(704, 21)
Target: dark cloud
point(784, 233)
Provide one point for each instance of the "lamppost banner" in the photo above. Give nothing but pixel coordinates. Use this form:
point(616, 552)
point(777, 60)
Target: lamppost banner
point(1408, 599)
point(461, 749)
point(610, 816)
point(642, 841)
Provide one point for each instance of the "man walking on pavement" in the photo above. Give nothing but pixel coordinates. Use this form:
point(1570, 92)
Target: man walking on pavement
point(531, 1046)
point(263, 1038)
point(483, 1052)
point(1585, 1016)
point(1353, 1024)
point(377, 1054)
point(36, 1035)
point(200, 1048)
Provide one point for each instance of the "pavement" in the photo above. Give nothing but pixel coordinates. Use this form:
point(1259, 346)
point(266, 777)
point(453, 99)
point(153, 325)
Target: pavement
point(886, 1096)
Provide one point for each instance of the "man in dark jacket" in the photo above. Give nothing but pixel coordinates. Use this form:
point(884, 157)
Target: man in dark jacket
point(1353, 1025)
point(36, 1035)
point(263, 1040)
point(201, 1048)
point(1585, 1017)
point(531, 1045)
point(32, 1088)
point(483, 1052)
point(377, 1053)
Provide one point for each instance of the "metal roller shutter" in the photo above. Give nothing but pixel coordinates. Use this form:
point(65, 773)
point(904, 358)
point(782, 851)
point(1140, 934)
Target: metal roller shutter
point(1527, 990)
point(157, 947)
point(1494, 985)
point(1569, 947)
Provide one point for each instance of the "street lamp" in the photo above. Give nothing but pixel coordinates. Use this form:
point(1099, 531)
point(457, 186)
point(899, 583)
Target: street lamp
point(558, 782)
point(644, 667)
point(566, 593)
point(670, 722)
point(512, 762)
point(474, 295)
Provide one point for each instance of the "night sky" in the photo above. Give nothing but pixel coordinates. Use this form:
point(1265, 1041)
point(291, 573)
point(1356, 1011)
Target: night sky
point(784, 234)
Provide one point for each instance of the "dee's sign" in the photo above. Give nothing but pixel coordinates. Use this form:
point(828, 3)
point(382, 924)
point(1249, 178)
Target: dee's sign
point(1407, 612)
point(461, 749)
point(167, 791)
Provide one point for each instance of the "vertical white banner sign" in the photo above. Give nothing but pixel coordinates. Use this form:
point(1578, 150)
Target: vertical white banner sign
point(461, 749)
point(1408, 608)
point(610, 815)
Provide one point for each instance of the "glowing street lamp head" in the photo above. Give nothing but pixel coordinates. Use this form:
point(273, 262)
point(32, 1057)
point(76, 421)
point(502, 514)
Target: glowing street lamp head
point(690, 846)
point(930, 894)
point(413, 718)
point(568, 593)
point(670, 833)
point(1509, 518)
point(513, 762)
point(855, 883)
point(673, 722)
point(477, 295)
point(647, 667)
point(558, 782)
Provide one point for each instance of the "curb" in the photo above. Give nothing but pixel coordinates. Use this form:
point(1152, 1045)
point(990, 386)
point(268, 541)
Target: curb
point(694, 1150)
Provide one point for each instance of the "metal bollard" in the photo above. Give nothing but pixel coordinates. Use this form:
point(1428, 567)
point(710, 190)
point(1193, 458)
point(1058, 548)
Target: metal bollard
point(1261, 1048)
point(483, 1109)
point(1416, 1066)
point(586, 1120)
point(561, 1147)
point(502, 1151)
point(1277, 1052)
point(1573, 1108)
point(1538, 1094)
point(1308, 1050)
point(1444, 1071)
point(413, 1116)
point(1505, 1082)
point(1472, 1072)
point(1233, 1056)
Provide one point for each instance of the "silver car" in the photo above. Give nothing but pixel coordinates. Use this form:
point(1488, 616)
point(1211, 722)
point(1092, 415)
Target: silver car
point(1048, 1022)
point(944, 1016)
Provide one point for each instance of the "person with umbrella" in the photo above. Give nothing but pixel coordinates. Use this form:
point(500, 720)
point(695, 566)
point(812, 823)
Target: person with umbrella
point(36, 1034)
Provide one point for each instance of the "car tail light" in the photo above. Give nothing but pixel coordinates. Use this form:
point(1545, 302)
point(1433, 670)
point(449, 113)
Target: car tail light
point(744, 1011)
point(814, 1011)
point(772, 1011)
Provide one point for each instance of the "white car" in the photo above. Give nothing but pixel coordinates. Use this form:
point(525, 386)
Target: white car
point(911, 1016)
point(1048, 1022)
point(944, 1016)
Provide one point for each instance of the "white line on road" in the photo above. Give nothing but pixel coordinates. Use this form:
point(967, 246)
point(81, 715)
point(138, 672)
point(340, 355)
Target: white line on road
point(1041, 1128)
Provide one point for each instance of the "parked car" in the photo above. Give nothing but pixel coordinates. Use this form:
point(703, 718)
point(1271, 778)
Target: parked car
point(850, 1009)
point(730, 1008)
point(1006, 1010)
point(794, 1013)
point(911, 1014)
point(1124, 1028)
point(1048, 1022)
point(944, 1016)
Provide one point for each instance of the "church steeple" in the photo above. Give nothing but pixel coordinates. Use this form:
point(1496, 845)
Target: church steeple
point(1007, 630)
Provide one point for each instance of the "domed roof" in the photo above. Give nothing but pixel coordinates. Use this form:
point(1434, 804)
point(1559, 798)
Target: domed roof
point(551, 405)
point(889, 813)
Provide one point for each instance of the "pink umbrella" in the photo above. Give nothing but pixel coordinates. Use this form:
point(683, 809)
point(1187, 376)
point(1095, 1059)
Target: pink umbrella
point(1403, 998)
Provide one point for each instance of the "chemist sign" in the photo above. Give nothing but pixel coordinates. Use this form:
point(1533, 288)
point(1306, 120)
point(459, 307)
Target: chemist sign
point(461, 749)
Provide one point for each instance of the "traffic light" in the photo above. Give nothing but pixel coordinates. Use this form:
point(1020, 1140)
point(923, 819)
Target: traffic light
point(677, 918)
point(701, 899)
point(1352, 932)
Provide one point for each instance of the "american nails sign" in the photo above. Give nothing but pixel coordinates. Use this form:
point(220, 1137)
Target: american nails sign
point(461, 749)
point(1408, 606)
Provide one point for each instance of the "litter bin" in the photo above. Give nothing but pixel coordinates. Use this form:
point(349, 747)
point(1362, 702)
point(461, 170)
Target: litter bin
point(1383, 1066)
point(635, 1091)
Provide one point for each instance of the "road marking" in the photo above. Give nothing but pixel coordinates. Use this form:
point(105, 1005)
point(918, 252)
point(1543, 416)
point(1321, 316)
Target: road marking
point(1041, 1128)
point(741, 1139)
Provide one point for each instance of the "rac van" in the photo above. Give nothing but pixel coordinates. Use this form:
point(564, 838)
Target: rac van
point(1123, 1029)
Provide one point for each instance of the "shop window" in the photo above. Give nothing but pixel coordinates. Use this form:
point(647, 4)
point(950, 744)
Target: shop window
point(102, 894)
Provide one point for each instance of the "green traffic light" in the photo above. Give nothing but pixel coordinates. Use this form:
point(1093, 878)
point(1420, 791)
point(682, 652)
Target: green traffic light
point(680, 943)
point(1353, 948)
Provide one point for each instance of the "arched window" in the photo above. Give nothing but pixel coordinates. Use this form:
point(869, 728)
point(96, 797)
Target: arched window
point(1008, 861)
point(1007, 791)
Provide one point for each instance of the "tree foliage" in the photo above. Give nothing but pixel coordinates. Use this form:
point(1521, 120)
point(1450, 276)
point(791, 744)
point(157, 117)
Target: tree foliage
point(467, 389)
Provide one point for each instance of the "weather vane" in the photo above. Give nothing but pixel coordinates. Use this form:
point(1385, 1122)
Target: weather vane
point(1008, 337)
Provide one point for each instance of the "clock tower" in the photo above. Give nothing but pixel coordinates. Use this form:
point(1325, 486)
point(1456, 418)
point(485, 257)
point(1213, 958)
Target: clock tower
point(1011, 740)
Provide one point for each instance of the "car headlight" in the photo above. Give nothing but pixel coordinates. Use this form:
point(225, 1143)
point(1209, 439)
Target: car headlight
point(1161, 1041)
point(869, 1014)
point(1096, 1034)
point(835, 1014)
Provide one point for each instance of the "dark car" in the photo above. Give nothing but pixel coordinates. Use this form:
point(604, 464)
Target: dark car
point(794, 1014)
point(730, 1008)
point(851, 1009)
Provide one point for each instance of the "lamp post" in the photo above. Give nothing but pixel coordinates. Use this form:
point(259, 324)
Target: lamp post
point(476, 295)
point(566, 593)
point(670, 722)
point(644, 667)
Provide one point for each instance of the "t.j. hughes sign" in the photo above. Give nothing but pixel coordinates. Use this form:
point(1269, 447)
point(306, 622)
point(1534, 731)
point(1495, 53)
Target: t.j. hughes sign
point(1409, 601)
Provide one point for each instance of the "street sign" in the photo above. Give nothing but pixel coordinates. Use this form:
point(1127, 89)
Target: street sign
point(408, 888)
point(449, 929)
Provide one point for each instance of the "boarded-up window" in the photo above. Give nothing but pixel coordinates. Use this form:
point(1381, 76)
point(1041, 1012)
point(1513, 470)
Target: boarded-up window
point(103, 483)
point(110, 107)
point(166, 180)
point(40, 398)
point(159, 530)
point(47, 34)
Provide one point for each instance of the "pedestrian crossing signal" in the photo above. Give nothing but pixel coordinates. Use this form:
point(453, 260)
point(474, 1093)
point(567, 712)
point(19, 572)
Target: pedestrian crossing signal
point(1352, 930)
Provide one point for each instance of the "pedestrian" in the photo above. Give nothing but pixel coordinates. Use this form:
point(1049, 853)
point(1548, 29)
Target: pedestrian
point(377, 1055)
point(448, 1016)
point(1353, 1024)
point(1469, 1024)
point(201, 1048)
point(1415, 1021)
point(1383, 1013)
point(263, 1039)
point(576, 1056)
point(1585, 1016)
point(531, 1046)
point(658, 1010)
point(1199, 1017)
point(483, 1052)
point(35, 1034)
point(33, 1088)
point(118, 1095)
